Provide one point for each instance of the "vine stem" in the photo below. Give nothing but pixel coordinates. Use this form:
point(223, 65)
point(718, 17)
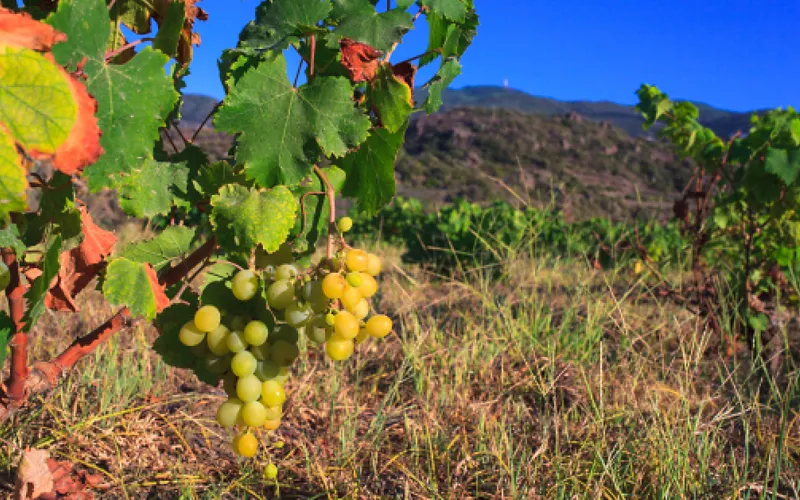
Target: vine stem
point(331, 193)
point(115, 53)
point(205, 121)
point(44, 376)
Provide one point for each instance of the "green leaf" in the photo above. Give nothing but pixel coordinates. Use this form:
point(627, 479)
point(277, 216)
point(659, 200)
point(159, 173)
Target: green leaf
point(7, 329)
point(280, 23)
point(210, 180)
point(391, 97)
point(169, 346)
point(283, 129)
point(12, 178)
point(57, 206)
point(152, 188)
point(785, 164)
point(36, 293)
point(169, 30)
point(359, 21)
point(794, 131)
point(447, 38)
point(10, 238)
point(127, 284)
point(758, 322)
point(243, 218)
point(133, 99)
point(316, 206)
point(455, 10)
point(172, 243)
point(370, 170)
point(439, 83)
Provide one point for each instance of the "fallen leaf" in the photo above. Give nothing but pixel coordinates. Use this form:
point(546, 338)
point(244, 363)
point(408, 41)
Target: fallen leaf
point(360, 60)
point(33, 475)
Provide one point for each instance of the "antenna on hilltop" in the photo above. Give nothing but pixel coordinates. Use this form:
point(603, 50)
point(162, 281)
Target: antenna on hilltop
point(505, 83)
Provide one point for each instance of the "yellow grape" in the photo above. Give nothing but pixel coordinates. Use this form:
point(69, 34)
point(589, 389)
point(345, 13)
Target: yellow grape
point(362, 336)
point(374, 264)
point(207, 318)
point(339, 349)
point(272, 393)
point(350, 298)
point(244, 285)
point(217, 340)
point(274, 412)
point(354, 279)
point(361, 309)
point(356, 260)
point(345, 325)
point(271, 470)
point(334, 285)
point(369, 286)
point(245, 444)
point(379, 326)
point(235, 341)
point(243, 364)
point(256, 333)
point(344, 224)
point(271, 425)
point(190, 335)
point(228, 412)
point(254, 414)
point(248, 388)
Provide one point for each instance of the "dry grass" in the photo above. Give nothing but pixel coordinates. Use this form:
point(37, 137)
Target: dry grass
point(556, 382)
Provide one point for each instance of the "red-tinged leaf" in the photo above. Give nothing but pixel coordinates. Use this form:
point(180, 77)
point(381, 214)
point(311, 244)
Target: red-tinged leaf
point(406, 72)
point(360, 60)
point(21, 30)
point(162, 301)
point(80, 265)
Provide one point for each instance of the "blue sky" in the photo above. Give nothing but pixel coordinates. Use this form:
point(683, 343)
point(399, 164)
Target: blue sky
point(733, 54)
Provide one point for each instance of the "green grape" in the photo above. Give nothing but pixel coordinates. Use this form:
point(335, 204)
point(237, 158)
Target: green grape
point(361, 309)
point(190, 335)
point(330, 319)
point(339, 349)
point(229, 384)
point(217, 340)
point(334, 285)
point(256, 332)
point(243, 363)
point(268, 370)
point(200, 350)
point(5, 276)
point(245, 444)
point(350, 298)
point(356, 260)
point(354, 279)
point(254, 414)
point(297, 314)
point(312, 292)
point(283, 375)
point(235, 341)
point(369, 286)
point(346, 325)
point(207, 318)
point(261, 352)
point(300, 246)
point(280, 294)
point(228, 412)
point(373, 265)
point(218, 364)
point(248, 388)
point(244, 285)
point(270, 472)
point(363, 335)
point(344, 224)
point(317, 330)
point(286, 272)
point(274, 412)
point(272, 393)
point(271, 425)
point(379, 326)
point(284, 332)
point(284, 353)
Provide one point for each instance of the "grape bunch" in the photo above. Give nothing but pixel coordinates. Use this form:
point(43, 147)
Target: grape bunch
point(328, 303)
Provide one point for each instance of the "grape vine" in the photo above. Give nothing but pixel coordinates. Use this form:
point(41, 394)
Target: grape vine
point(231, 281)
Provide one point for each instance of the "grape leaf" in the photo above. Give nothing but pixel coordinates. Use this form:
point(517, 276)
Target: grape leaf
point(243, 218)
point(280, 23)
point(437, 85)
point(170, 244)
point(360, 60)
point(210, 180)
point(152, 188)
point(318, 116)
point(80, 265)
point(35, 296)
point(169, 346)
point(57, 206)
point(133, 99)
point(449, 39)
point(10, 238)
point(12, 178)
point(170, 27)
point(7, 329)
point(370, 170)
point(359, 21)
point(316, 206)
point(785, 164)
point(454, 10)
point(135, 285)
point(391, 98)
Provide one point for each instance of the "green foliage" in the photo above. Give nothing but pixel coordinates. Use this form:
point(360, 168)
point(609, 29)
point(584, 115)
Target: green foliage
point(128, 284)
point(165, 247)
